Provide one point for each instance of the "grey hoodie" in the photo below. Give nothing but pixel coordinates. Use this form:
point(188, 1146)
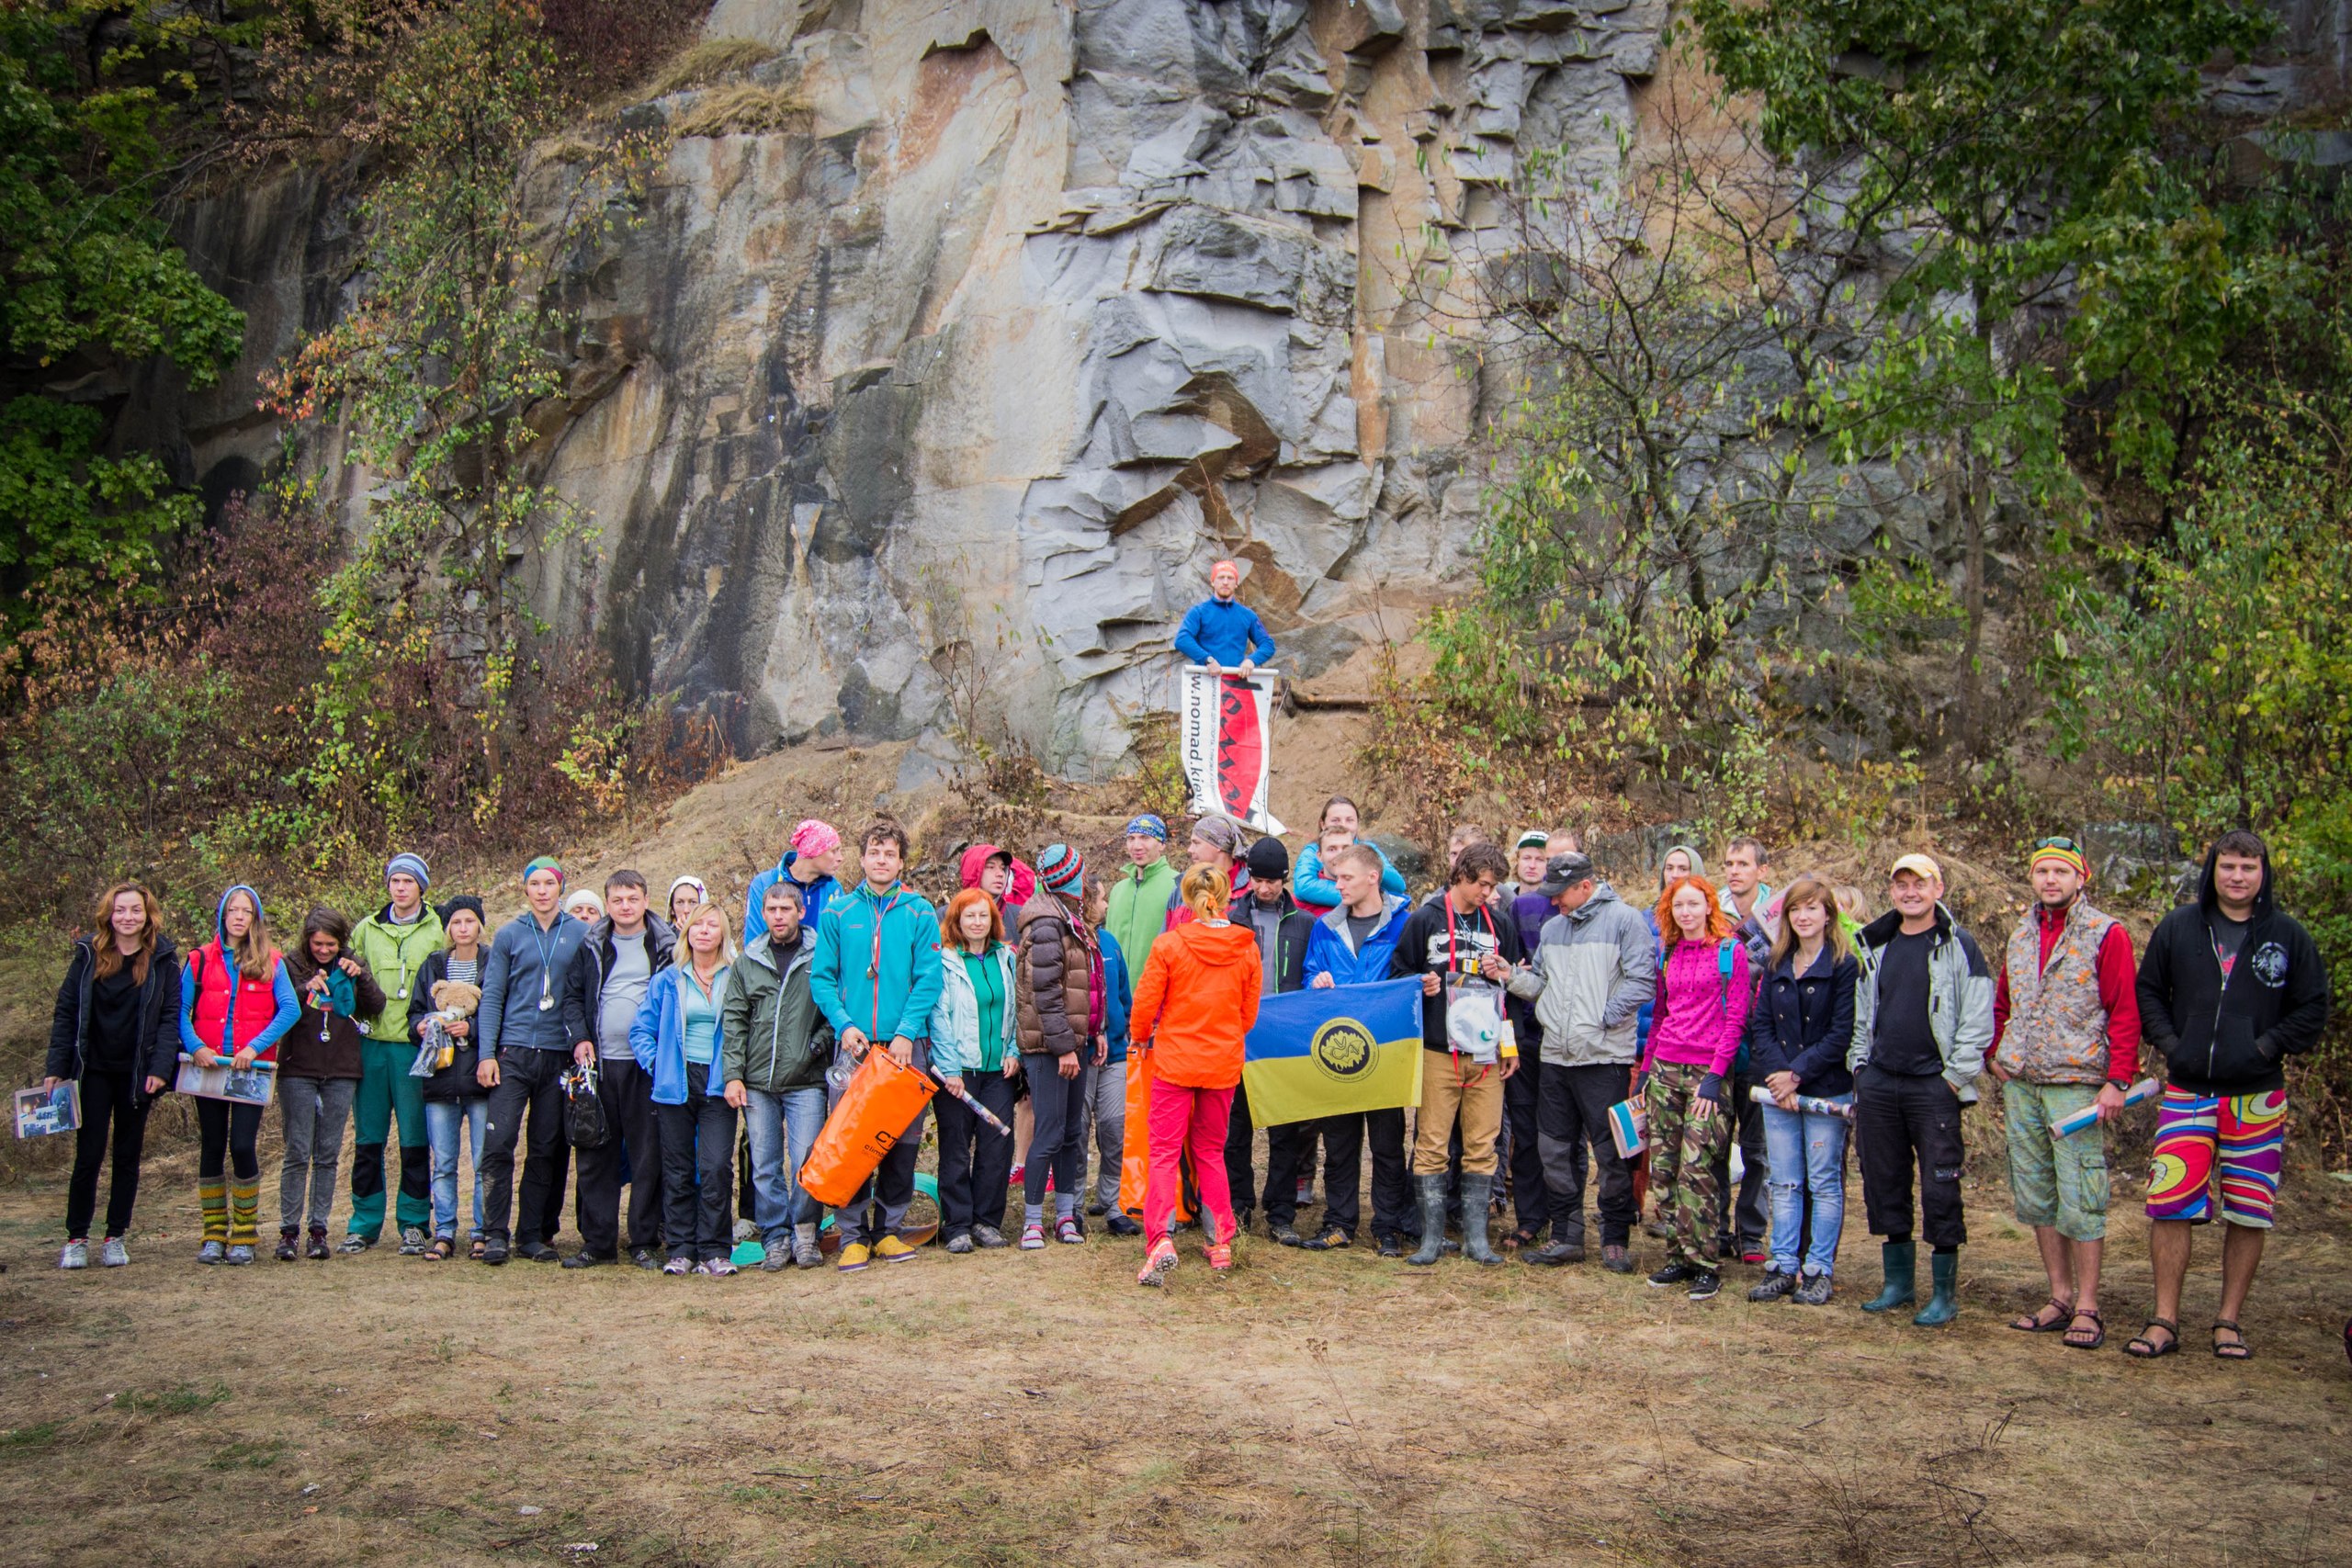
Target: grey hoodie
point(1599, 965)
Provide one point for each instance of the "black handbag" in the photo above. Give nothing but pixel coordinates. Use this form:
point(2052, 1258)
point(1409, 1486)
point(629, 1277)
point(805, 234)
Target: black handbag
point(584, 1113)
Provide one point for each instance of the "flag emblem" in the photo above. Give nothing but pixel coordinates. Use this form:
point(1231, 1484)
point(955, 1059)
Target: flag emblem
point(1342, 1049)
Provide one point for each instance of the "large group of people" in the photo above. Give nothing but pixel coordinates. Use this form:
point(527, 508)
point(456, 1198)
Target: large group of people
point(1570, 1036)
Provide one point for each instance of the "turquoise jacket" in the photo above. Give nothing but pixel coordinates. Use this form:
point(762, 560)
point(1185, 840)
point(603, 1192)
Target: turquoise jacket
point(878, 969)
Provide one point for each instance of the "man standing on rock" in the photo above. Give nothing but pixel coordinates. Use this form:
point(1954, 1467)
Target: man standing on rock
point(1923, 1016)
point(393, 943)
point(2229, 988)
point(2065, 1039)
point(813, 861)
point(1221, 632)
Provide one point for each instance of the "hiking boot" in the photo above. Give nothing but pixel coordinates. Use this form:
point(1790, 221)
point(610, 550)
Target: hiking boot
point(1392, 1245)
point(113, 1255)
point(1433, 1190)
point(1332, 1239)
point(1943, 1304)
point(1157, 1264)
point(1122, 1224)
point(1703, 1287)
point(1285, 1235)
point(286, 1249)
point(1813, 1290)
point(241, 1255)
point(1476, 1210)
point(1033, 1238)
point(1097, 1209)
point(354, 1244)
point(959, 1244)
point(75, 1256)
point(1553, 1253)
point(988, 1238)
point(1676, 1274)
point(1617, 1259)
point(805, 1253)
point(646, 1258)
point(891, 1249)
point(1900, 1260)
point(776, 1257)
point(317, 1251)
point(1774, 1287)
point(852, 1257)
point(413, 1240)
point(211, 1252)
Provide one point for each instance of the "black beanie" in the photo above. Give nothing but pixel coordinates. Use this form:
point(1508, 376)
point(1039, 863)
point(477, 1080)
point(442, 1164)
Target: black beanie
point(1269, 861)
point(463, 901)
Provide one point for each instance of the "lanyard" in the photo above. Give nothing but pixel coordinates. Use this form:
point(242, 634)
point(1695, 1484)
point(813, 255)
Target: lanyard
point(1487, 919)
point(400, 948)
point(873, 961)
point(547, 960)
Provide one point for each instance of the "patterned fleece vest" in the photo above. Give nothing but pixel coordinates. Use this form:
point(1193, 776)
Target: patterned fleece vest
point(2057, 1028)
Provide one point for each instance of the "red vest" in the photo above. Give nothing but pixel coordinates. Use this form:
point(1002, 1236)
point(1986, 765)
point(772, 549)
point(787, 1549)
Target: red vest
point(219, 988)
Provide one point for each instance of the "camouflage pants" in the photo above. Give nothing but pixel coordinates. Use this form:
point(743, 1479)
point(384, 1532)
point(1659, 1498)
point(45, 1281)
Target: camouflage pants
point(1683, 1150)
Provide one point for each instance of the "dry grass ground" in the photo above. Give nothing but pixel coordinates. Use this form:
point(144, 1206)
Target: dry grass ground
point(1014, 1408)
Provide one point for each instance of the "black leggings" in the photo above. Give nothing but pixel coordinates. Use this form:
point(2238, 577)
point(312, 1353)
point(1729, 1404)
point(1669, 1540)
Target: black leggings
point(108, 1096)
point(227, 1127)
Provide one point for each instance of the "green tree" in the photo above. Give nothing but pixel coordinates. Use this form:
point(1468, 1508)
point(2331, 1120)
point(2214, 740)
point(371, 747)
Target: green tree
point(104, 108)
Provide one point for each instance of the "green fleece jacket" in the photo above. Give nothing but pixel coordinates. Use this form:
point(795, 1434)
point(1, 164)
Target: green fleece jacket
point(395, 955)
point(1139, 896)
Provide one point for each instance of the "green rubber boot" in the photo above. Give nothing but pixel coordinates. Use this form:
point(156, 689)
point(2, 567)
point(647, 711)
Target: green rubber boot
point(1432, 1221)
point(1944, 1305)
point(1900, 1260)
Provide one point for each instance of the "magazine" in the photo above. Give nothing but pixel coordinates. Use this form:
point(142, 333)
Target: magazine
point(220, 1081)
point(40, 1112)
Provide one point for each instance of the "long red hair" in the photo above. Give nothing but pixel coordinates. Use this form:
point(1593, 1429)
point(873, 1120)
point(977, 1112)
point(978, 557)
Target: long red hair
point(104, 957)
point(1669, 930)
point(951, 919)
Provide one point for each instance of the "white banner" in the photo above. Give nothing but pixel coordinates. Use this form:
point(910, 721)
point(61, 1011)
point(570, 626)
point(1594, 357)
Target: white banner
point(1227, 743)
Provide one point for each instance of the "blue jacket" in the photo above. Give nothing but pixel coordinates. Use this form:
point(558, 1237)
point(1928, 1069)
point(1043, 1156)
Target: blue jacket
point(1803, 1023)
point(1225, 632)
point(658, 1038)
point(895, 934)
point(510, 1015)
point(1327, 951)
point(814, 895)
point(1309, 888)
point(1118, 995)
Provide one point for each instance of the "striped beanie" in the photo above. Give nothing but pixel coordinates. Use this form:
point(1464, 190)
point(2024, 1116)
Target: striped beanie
point(1149, 826)
point(1062, 870)
point(545, 862)
point(408, 864)
point(2062, 850)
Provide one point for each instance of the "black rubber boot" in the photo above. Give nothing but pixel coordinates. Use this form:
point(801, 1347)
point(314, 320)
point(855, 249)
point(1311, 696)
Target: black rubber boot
point(1476, 1190)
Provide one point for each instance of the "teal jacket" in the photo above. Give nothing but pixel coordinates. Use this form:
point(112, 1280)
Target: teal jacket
point(877, 966)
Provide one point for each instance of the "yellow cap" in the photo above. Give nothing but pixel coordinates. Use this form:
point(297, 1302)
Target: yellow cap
point(1919, 866)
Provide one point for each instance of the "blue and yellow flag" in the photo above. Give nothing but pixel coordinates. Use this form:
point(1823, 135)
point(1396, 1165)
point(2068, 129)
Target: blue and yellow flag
point(1323, 1052)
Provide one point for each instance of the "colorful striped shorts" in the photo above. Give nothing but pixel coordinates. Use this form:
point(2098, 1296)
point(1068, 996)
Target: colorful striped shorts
point(2244, 1136)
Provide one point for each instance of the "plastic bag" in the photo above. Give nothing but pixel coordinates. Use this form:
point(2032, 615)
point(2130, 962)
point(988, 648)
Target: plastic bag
point(881, 1103)
point(1475, 1026)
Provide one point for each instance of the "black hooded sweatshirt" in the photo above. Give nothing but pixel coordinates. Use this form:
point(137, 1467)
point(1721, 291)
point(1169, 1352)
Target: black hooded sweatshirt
point(2229, 1035)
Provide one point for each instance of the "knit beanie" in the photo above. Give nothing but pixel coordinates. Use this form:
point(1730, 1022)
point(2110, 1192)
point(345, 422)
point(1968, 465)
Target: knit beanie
point(544, 862)
point(463, 901)
point(1062, 870)
point(689, 880)
point(414, 865)
point(1269, 861)
point(2066, 852)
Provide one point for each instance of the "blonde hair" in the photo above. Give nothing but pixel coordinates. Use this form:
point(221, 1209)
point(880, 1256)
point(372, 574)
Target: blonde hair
point(1207, 892)
point(684, 955)
point(1810, 889)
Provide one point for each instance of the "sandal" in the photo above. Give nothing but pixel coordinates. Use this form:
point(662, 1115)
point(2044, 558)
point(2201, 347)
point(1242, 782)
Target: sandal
point(2143, 1349)
point(441, 1247)
point(479, 1246)
point(2234, 1351)
point(2034, 1323)
point(2075, 1339)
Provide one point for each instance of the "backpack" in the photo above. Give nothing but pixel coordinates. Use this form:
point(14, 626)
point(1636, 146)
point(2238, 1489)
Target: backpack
point(584, 1113)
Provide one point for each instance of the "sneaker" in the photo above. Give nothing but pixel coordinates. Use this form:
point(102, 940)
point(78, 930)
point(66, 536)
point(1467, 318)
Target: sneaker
point(1097, 1209)
point(746, 1230)
point(988, 1236)
point(584, 1260)
point(1774, 1287)
point(646, 1258)
point(112, 1254)
point(1067, 1231)
point(1220, 1256)
point(959, 1244)
point(1033, 1238)
point(1704, 1285)
point(719, 1267)
point(1333, 1240)
point(891, 1249)
point(1676, 1274)
point(354, 1244)
point(1157, 1266)
point(1659, 1229)
point(1553, 1253)
point(1123, 1224)
point(852, 1257)
point(75, 1256)
point(1617, 1259)
point(679, 1265)
point(318, 1248)
point(211, 1252)
point(413, 1240)
point(241, 1255)
point(775, 1257)
point(1285, 1235)
point(1813, 1290)
point(286, 1250)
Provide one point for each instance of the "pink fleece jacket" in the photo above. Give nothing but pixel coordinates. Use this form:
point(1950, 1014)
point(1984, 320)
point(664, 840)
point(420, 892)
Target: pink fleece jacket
point(1700, 1012)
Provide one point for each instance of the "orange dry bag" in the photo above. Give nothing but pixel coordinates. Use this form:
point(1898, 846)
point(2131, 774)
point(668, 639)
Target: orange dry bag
point(1135, 1146)
point(881, 1103)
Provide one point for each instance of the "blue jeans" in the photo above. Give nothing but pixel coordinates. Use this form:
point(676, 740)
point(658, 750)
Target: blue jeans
point(778, 1124)
point(443, 1118)
point(1808, 1158)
